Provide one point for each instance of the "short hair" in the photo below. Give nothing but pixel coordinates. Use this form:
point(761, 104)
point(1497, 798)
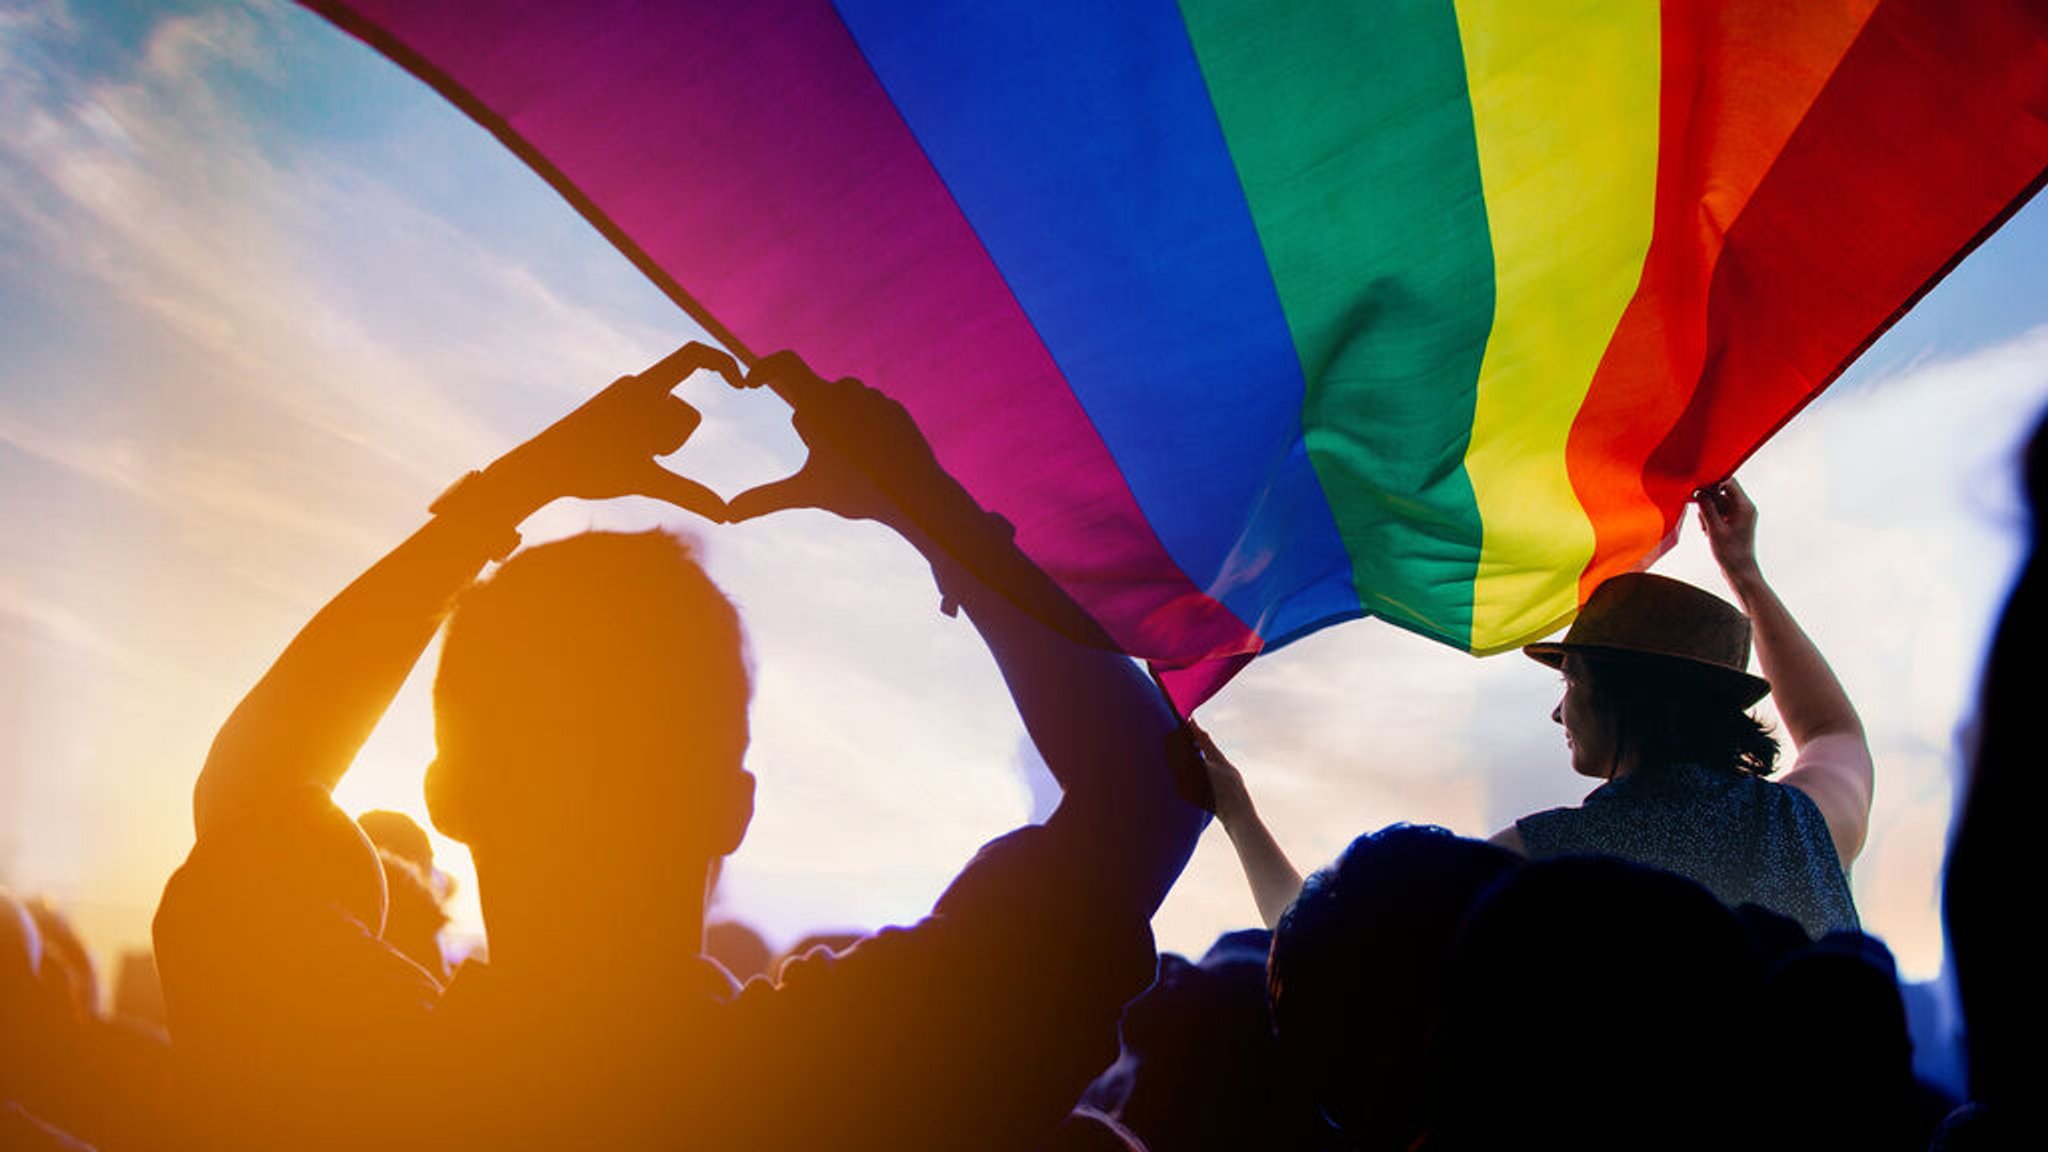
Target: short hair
point(605, 668)
point(1669, 716)
point(1357, 967)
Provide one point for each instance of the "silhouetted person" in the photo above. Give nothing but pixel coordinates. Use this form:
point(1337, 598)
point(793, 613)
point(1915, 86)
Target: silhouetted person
point(1357, 975)
point(1273, 878)
point(591, 723)
point(835, 942)
point(738, 949)
point(138, 994)
point(1832, 1010)
point(1201, 1069)
point(1656, 705)
point(416, 892)
point(26, 1025)
point(1997, 957)
point(66, 1071)
point(1598, 1004)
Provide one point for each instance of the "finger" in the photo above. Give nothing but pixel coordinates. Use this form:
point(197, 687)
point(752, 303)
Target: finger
point(687, 361)
point(786, 374)
point(674, 424)
point(684, 493)
point(1738, 500)
point(1709, 496)
point(776, 496)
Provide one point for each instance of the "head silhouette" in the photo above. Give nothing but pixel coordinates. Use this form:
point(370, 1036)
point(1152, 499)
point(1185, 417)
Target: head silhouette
point(1656, 714)
point(1656, 672)
point(591, 704)
point(1597, 1003)
point(1357, 973)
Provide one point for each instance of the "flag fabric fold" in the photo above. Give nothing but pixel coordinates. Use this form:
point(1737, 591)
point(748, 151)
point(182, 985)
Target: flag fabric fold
point(1253, 318)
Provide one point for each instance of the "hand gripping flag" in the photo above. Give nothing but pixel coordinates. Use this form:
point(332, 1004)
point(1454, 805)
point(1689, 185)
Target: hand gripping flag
point(1256, 317)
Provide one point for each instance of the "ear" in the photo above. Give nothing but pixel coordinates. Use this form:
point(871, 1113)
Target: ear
point(732, 812)
point(446, 805)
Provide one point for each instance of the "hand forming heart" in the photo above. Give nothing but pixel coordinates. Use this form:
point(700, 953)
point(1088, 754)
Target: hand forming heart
point(608, 445)
point(867, 460)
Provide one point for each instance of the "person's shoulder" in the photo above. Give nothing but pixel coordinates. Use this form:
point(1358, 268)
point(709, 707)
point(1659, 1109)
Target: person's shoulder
point(1017, 914)
point(1790, 802)
point(1541, 833)
point(300, 857)
point(274, 923)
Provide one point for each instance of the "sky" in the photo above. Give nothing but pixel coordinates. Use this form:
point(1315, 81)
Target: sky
point(263, 296)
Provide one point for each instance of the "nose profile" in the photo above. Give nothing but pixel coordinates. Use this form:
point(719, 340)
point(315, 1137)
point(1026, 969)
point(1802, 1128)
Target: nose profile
point(1557, 713)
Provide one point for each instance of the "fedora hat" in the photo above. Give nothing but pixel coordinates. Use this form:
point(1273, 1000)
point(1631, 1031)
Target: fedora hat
point(1656, 621)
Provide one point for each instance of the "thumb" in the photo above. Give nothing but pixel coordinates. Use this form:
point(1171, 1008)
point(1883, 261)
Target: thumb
point(775, 496)
point(684, 493)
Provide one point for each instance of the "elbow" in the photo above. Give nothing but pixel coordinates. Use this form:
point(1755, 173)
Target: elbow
point(212, 792)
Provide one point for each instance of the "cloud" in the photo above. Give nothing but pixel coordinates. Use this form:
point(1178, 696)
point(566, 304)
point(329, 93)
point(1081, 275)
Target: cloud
point(1889, 523)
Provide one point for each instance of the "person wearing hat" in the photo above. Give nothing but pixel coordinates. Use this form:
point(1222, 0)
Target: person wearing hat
point(1656, 705)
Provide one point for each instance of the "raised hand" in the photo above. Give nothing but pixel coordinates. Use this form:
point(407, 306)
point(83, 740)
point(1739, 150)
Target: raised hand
point(868, 461)
point(608, 445)
point(1274, 880)
point(1222, 783)
point(1728, 517)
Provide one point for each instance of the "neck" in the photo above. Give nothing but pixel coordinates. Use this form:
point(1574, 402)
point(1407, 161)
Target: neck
point(600, 924)
point(1625, 763)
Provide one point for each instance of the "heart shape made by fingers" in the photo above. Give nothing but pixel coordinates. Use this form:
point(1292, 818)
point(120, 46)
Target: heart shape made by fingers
point(745, 441)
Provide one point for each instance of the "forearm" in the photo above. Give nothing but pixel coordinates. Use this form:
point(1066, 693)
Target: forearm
point(305, 720)
point(1834, 766)
point(1274, 880)
point(1810, 699)
point(1104, 731)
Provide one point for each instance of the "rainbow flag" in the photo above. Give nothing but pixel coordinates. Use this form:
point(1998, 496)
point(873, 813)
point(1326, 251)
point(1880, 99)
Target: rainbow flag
point(1254, 317)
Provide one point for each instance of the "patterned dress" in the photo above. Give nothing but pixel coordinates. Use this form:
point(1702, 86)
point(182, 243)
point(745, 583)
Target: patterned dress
point(1746, 839)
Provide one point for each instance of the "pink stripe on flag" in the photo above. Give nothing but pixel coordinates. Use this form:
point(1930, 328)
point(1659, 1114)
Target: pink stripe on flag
point(749, 153)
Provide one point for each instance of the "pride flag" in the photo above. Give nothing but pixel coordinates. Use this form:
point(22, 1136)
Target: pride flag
point(1254, 317)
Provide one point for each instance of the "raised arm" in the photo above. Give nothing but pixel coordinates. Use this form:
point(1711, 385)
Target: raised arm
point(302, 724)
point(1833, 764)
point(1274, 880)
point(1103, 728)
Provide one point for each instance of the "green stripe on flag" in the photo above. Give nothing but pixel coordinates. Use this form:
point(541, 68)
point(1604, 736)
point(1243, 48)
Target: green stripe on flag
point(1351, 130)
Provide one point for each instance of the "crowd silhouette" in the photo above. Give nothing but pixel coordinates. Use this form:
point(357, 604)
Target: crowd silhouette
point(1674, 963)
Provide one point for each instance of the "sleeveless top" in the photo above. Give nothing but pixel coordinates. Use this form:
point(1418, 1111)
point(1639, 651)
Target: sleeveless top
point(1745, 839)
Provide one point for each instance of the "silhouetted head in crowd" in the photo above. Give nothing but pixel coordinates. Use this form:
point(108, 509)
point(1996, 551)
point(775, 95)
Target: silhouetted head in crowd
point(1654, 674)
point(21, 996)
point(1357, 971)
point(1834, 1012)
point(69, 975)
point(416, 891)
point(591, 718)
point(1597, 1003)
point(1201, 1069)
point(834, 941)
point(739, 949)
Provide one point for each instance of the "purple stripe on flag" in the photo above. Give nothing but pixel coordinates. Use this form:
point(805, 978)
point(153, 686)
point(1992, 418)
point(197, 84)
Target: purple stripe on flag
point(745, 155)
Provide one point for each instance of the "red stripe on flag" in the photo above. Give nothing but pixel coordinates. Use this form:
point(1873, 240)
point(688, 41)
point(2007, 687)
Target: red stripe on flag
point(1737, 79)
point(1933, 130)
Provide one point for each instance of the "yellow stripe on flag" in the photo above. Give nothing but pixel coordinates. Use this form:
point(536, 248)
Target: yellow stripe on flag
point(1565, 111)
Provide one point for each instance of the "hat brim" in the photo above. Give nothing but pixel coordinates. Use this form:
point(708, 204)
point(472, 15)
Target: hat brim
point(1741, 687)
